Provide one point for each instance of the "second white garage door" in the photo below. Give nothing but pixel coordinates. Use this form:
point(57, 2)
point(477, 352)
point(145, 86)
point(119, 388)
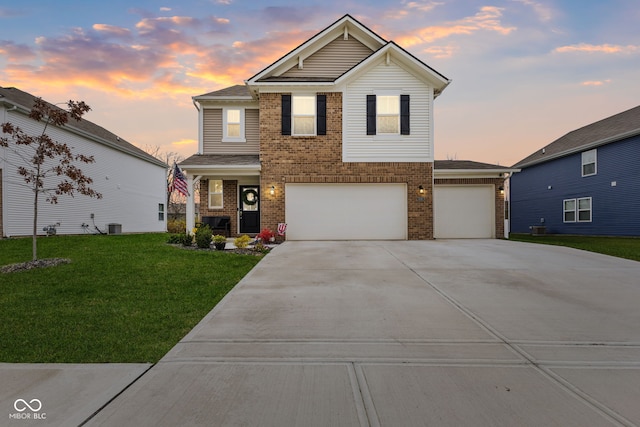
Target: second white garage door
point(463, 212)
point(346, 211)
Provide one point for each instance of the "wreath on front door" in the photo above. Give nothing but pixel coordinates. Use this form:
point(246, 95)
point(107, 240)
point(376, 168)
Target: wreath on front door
point(245, 197)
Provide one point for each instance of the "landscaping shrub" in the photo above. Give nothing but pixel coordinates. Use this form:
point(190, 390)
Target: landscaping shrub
point(186, 239)
point(266, 235)
point(242, 241)
point(203, 237)
point(176, 226)
point(174, 239)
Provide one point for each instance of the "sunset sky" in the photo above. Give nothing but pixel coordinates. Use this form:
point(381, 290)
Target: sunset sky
point(524, 72)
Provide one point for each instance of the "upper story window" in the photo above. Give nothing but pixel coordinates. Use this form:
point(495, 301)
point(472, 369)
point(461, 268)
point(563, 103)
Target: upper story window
point(215, 194)
point(304, 115)
point(233, 125)
point(589, 162)
point(388, 114)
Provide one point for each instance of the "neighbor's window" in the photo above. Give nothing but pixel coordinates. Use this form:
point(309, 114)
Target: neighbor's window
point(215, 194)
point(233, 125)
point(303, 115)
point(584, 209)
point(589, 160)
point(577, 210)
point(388, 114)
point(570, 210)
point(160, 211)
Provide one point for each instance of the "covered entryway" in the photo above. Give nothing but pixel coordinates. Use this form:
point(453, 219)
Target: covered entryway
point(464, 211)
point(346, 211)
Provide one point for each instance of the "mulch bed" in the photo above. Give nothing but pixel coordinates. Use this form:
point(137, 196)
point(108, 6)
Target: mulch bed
point(243, 251)
point(29, 265)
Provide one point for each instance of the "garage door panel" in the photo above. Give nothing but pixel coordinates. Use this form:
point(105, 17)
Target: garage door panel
point(464, 212)
point(346, 211)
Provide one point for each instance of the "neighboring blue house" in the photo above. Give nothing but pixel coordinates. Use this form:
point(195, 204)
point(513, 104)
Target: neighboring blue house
point(586, 183)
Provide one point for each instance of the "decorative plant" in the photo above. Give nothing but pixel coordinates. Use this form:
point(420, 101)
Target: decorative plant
point(242, 241)
point(218, 238)
point(266, 235)
point(203, 237)
point(186, 239)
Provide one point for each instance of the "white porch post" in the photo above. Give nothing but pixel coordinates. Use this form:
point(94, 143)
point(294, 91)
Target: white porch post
point(190, 215)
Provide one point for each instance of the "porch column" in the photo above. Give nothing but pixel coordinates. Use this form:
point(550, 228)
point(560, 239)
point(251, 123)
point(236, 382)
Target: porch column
point(190, 208)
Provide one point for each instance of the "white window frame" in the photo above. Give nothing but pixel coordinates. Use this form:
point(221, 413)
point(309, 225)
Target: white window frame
point(294, 115)
point(225, 123)
point(210, 192)
point(161, 215)
point(576, 210)
point(586, 162)
point(379, 115)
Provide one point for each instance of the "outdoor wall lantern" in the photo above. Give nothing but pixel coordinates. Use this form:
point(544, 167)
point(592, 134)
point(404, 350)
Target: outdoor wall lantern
point(501, 188)
point(420, 189)
point(273, 190)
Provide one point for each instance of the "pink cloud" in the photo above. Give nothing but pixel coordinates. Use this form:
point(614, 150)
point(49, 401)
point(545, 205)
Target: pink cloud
point(603, 48)
point(16, 52)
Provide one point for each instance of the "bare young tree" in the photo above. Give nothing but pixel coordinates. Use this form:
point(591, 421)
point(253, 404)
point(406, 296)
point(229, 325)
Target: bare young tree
point(40, 160)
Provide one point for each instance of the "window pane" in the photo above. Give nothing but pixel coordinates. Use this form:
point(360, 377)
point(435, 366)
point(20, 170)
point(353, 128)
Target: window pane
point(215, 186)
point(570, 216)
point(233, 116)
point(233, 130)
point(584, 204)
point(304, 105)
point(589, 156)
point(215, 199)
point(388, 124)
point(303, 125)
point(569, 205)
point(589, 169)
point(388, 105)
point(584, 216)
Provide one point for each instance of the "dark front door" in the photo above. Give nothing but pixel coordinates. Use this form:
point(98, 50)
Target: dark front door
point(249, 209)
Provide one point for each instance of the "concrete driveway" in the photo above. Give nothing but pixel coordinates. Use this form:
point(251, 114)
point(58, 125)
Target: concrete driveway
point(442, 333)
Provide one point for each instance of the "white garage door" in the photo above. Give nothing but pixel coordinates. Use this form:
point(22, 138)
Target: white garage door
point(463, 212)
point(346, 211)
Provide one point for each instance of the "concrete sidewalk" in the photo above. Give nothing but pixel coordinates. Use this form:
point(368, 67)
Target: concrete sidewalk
point(446, 333)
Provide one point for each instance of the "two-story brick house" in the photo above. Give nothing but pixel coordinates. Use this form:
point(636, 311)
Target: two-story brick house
point(335, 139)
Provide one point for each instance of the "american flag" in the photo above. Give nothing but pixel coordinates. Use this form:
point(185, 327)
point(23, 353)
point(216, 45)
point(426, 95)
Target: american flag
point(179, 182)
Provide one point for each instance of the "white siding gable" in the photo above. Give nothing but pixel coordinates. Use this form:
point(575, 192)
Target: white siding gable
point(131, 189)
point(384, 78)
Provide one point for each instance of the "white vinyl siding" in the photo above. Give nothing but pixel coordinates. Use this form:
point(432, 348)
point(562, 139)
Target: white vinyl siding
point(380, 80)
point(131, 188)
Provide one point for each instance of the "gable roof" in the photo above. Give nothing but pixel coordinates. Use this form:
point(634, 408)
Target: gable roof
point(238, 92)
point(13, 97)
point(347, 27)
point(611, 129)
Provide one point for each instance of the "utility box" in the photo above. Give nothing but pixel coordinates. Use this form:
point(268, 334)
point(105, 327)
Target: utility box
point(114, 228)
point(538, 230)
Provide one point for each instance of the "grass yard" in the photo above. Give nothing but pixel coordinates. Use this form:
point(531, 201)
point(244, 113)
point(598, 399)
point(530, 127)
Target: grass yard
point(125, 298)
point(622, 247)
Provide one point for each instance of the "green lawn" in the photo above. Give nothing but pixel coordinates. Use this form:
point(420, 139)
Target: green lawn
point(623, 247)
point(127, 298)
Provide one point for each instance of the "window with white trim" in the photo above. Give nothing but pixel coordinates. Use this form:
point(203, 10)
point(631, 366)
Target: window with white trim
point(388, 114)
point(303, 115)
point(233, 125)
point(160, 211)
point(577, 210)
point(215, 194)
point(589, 163)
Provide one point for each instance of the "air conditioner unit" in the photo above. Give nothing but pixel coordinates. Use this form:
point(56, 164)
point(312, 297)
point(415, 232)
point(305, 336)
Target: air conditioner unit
point(114, 228)
point(538, 230)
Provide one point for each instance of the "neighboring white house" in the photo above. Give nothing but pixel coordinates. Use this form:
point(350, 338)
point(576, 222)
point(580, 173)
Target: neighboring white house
point(132, 182)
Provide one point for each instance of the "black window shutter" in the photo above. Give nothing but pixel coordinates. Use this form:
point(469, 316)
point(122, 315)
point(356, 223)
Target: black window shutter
point(404, 115)
point(371, 114)
point(286, 114)
point(321, 114)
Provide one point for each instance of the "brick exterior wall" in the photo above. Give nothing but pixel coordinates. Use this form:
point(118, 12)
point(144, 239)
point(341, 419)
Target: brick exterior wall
point(318, 159)
point(229, 202)
point(499, 198)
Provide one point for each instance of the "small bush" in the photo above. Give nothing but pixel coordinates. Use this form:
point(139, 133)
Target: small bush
point(219, 238)
point(265, 235)
point(176, 226)
point(186, 239)
point(203, 237)
point(242, 241)
point(174, 239)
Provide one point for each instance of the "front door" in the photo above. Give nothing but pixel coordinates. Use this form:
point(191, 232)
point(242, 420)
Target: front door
point(249, 209)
